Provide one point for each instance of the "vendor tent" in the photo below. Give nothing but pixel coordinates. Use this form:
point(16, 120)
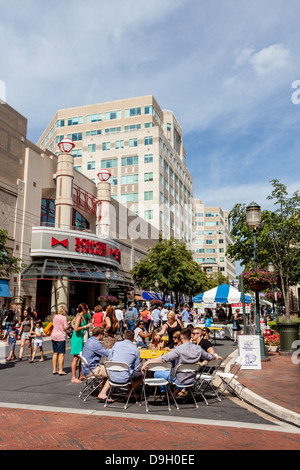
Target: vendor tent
point(222, 294)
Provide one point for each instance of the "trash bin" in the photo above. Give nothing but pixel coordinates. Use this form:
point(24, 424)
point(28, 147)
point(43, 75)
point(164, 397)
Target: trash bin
point(289, 333)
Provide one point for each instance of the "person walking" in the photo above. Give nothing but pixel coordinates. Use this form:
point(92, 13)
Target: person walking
point(38, 340)
point(58, 338)
point(12, 340)
point(25, 333)
point(77, 341)
point(130, 318)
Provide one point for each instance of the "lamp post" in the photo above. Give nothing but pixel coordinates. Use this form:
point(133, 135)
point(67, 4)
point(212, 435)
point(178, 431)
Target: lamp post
point(253, 214)
point(271, 270)
point(107, 277)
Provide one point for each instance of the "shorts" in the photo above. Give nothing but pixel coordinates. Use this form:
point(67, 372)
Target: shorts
point(59, 347)
point(38, 342)
point(99, 371)
point(25, 335)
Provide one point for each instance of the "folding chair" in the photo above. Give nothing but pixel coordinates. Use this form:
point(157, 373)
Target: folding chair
point(204, 380)
point(227, 377)
point(118, 367)
point(92, 383)
point(157, 381)
point(187, 369)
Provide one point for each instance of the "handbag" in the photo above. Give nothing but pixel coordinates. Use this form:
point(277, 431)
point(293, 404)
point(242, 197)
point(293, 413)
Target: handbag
point(48, 329)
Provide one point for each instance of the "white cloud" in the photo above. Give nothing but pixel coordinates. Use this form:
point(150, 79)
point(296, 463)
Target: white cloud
point(270, 59)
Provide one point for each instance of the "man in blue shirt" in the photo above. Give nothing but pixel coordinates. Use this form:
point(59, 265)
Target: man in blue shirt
point(124, 351)
point(185, 314)
point(93, 351)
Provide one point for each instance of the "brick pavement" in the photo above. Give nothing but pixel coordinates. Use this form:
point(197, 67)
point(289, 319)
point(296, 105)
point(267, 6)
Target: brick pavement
point(278, 381)
point(36, 430)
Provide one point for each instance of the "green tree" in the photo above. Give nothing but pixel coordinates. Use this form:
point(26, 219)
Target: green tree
point(278, 240)
point(8, 263)
point(172, 265)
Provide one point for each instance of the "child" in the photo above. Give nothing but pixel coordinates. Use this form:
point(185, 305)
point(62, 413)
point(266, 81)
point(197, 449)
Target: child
point(38, 340)
point(12, 339)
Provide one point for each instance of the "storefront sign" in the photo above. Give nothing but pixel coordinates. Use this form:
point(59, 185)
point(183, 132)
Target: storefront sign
point(57, 243)
point(249, 348)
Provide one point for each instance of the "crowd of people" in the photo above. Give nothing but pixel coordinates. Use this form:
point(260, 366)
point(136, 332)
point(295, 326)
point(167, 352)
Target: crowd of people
point(111, 333)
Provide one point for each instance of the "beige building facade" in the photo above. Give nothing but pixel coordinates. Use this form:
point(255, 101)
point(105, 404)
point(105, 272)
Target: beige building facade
point(142, 147)
point(211, 238)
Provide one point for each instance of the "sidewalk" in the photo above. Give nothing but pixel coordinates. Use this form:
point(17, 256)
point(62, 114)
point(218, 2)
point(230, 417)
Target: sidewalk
point(274, 389)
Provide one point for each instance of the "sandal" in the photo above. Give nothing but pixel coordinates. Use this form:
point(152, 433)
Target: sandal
point(76, 381)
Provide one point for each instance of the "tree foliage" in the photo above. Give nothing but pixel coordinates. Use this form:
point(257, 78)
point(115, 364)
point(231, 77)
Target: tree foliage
point(172, 265)
point(278, 240)
point(8, 263)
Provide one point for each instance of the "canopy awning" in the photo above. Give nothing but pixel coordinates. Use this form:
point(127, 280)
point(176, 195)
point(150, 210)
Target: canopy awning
point(4, 289)
point(222, 294)
point(72, 271)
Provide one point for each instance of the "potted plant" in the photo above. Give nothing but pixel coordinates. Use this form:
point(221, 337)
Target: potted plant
point(108, 299)
point(273, 342)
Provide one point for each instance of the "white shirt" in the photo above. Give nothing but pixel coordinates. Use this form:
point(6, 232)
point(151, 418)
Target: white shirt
point(164, 314)
point(119, 314)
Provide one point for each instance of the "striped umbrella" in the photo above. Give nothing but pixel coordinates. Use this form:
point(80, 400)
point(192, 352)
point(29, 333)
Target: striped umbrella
point(222, 294)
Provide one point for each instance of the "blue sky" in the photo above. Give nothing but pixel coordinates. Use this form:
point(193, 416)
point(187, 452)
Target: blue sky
point(224, 67)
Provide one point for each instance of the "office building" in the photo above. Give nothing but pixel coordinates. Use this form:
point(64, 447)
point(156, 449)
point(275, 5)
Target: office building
point(211, 238)
point(142, 146)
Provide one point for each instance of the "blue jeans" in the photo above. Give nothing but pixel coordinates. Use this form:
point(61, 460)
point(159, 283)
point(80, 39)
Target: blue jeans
point(130, 324)
point(162, 374)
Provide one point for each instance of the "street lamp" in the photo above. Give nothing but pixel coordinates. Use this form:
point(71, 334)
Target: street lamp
point(107, 277)
point(66, 145)
point(104, 175)
point(253, 214)
point(271, 269)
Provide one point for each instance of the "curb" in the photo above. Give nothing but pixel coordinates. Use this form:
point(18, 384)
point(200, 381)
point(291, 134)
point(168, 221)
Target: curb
point(259, 402)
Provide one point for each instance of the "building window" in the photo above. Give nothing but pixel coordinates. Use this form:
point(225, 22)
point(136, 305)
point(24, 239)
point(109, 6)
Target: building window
point(113, 115)
point(148, 158)
point(105, 145)
point(148, 140)
point(129, 197)
point(128, 161)
point(75, 137)
point(77, 153)
point(48, 213)
point(148, 195)
point(111, 163)
point(133, 143)
point(119, 144)
point(148, 215)
point(92, 148)
point(149, 110)
point(91, 165)
point(113, 130)
point(94, 132)
point(130, 179)
point(133, 112)
point(78, 168)
point(133, 127)
point(75, 121)
point(148, 176)
point(79, 222)
point(94, 118)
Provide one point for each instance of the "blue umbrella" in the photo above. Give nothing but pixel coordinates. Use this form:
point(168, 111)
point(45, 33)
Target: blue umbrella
point(169, 305)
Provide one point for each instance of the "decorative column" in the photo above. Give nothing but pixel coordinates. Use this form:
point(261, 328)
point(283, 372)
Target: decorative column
point(104, 204)
point(63, 214)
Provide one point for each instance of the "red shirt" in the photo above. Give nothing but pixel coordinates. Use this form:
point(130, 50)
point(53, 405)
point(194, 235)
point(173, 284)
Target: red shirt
point(98, 319)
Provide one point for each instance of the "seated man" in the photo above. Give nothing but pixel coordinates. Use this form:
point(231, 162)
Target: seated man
point(186, 353)
point(124, 351)
point(93, 351)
